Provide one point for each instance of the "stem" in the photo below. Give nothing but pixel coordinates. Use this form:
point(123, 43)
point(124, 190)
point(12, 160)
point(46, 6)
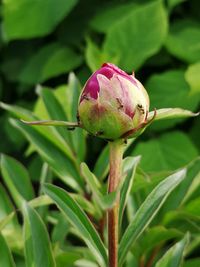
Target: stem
point(69, 125)
point(116, 154)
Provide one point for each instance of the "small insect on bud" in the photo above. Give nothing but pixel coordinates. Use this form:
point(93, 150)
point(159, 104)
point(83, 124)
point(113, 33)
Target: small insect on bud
point(112, 103)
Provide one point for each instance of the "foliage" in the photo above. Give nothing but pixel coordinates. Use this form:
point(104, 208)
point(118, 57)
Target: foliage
point(40, 44)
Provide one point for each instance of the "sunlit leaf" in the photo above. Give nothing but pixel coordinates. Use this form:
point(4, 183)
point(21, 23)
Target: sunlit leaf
point(174, 256)
point(147, 211)
point(125, 39)
point(79, 220)
point(55, 157)
point(38, 251)
point(6, 258)
point(17, 179)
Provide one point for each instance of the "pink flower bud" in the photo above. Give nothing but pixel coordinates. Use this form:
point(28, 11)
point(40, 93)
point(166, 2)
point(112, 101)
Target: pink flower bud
point(112, 103)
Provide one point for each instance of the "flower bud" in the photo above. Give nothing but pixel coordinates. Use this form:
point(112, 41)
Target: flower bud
point(112, 103)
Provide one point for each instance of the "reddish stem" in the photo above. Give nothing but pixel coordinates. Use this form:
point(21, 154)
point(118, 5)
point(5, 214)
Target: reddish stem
point(116, 154)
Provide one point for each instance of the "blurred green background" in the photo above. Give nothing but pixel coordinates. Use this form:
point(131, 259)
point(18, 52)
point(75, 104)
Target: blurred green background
point(42, 41)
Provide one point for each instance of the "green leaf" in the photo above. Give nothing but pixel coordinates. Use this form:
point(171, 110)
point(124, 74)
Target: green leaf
point(185, 189)
point(94, 56)
point(73, 91)
point(171, 113)
point(6, 258)
point(60, 230)
point(174, 256)
point(68, 258)
point(173, 3)
point(90, 178)
point(55, 157)
point(6, 220)
point(17, 179)
point(85, 263)
point(192, 77)
point(137, 36)
point(40, 201)
point(56, 112)
point(101, 167)
point(104, 201)
point(183, 221)
point(38, 250)
point(170, 89)
point(50, 61)
point(18, 112)
point(129, 167)
point(184, 33)
point(27, 115)
point(79, 220)
point(6, 208)
point(28, 19)
point(147, 211)
point(155, 236)
point(192, 263)
point(170, 152)
point(193, 207)
point(105, 19)
point(85, 204)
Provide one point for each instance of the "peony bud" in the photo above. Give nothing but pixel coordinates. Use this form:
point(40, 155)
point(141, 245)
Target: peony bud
point(113, 103)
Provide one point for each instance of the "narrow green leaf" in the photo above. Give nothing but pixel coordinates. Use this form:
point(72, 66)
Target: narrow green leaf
point(6, 259)
point(147, 211)
point(104, 201)
point(18, 112)
point(174, 256)
point(85, 263)
point(17, 179)
point(6, 220)
point(184, 190)
point(101, 167)
point(157, 235)
point(73, 91)
point(171, 113)
point(38, 250)
point(40, 201)
point(56, 112)
point(129, 167)
point(54, 156)
point(85, 204)
point(90, 178)
point(79, 220)
point(6, 208)
point(28, 116)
